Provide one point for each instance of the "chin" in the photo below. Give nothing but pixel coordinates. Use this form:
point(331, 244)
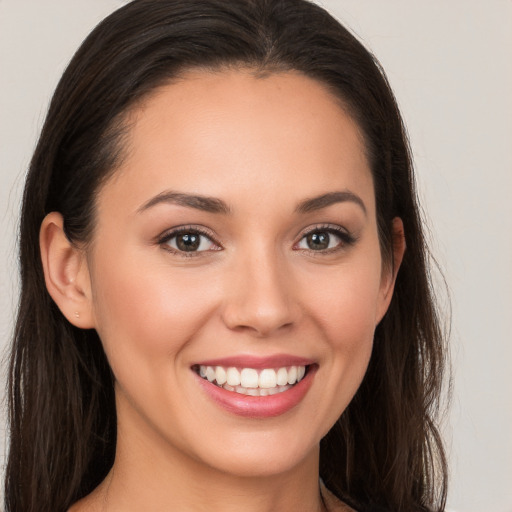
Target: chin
point(262, 457)
point(261, 465)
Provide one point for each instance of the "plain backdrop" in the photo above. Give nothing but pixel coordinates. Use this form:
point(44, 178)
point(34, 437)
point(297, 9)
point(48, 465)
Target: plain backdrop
point(450, 65)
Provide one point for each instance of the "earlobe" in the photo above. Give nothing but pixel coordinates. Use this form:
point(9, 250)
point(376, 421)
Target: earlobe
point(390, 273)
point(66, 272)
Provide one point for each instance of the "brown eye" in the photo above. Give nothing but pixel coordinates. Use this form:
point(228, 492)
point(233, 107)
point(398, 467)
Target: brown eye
point(318, 241)
point(325, 239)
point(189, 242)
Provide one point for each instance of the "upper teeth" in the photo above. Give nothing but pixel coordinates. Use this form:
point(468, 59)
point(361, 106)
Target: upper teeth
point(250, 378)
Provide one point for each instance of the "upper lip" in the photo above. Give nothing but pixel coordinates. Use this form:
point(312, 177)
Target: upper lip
point(258, 362)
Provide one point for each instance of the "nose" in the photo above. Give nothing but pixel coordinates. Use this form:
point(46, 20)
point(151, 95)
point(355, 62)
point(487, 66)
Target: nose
point(260, 298)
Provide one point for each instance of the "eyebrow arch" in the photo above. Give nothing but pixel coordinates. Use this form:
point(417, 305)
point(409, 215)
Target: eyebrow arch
point(325, 200)
point(204, 203)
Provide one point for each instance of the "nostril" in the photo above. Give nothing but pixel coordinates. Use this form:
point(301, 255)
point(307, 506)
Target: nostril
point(260, 306)
point(259, 324)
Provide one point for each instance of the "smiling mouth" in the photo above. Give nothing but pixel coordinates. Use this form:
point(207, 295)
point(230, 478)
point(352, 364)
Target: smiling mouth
point(253, 382)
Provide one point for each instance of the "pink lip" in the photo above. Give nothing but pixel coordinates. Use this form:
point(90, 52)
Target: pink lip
point(258, 406)
point(257, 362)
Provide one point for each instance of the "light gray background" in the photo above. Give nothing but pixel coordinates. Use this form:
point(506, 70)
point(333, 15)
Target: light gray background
point(450, 65)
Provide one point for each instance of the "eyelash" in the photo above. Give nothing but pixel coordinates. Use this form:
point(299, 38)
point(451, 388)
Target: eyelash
point(346, 239)
point(164, 239)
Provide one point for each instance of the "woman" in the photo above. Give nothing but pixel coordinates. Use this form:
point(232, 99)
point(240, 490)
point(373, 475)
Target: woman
point(229, 305)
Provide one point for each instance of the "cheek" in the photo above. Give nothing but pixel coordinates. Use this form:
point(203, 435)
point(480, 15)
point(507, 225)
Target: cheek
point(346, 304)
point(146, 315)
point(345, 311)
point(349, 324)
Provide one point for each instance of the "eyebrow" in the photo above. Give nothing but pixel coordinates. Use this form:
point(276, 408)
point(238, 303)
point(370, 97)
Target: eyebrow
point(204, 203)
point(216, 205)
point(325, 200)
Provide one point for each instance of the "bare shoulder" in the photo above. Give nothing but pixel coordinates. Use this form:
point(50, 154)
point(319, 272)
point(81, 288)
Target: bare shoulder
point(83, 506)
point(90, 503)
point(332, 503)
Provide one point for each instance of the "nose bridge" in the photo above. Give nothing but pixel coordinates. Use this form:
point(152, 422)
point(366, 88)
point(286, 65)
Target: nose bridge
point(259, 297)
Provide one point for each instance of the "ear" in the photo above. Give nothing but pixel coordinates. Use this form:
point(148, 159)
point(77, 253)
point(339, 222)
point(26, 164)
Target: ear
point(390, 271)
point(66, 272)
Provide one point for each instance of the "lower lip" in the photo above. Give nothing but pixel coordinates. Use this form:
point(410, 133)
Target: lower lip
point(259, 406)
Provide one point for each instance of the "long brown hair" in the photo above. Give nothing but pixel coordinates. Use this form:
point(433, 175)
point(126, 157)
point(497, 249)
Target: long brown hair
point(385, 449)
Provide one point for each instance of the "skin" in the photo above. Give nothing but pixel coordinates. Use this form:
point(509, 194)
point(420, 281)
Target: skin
point(262, 146)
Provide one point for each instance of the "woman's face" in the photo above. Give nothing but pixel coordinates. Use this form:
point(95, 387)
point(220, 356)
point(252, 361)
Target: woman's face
point(237, 240)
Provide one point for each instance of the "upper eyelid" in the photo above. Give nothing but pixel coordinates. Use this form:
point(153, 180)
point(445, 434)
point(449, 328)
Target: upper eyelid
point(346, 236)
point(164, 238)
point(172, 232)
point(325, 227)
point(204, 231)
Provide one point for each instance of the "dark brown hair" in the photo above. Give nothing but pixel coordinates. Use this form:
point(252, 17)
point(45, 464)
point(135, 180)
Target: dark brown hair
point(385, 449)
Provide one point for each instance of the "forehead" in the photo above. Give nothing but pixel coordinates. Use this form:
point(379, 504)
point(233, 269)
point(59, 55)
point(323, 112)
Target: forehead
point(232, 135)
